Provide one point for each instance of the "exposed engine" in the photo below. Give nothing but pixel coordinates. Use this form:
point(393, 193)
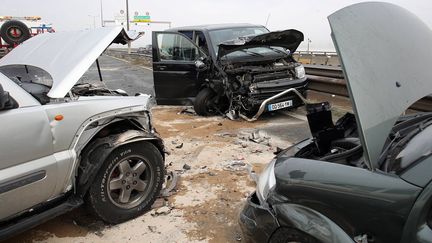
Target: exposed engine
point(249, 84)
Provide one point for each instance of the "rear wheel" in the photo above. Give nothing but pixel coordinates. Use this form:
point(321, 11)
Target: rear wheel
point(128, 183)
point(288, 235)
point(14, 32)
point(203, 104)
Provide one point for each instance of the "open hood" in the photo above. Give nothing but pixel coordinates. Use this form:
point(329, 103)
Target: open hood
point(385, 53)
point(289, 39)
point(66, 56)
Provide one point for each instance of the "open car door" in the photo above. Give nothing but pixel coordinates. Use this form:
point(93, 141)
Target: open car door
point(175, 75)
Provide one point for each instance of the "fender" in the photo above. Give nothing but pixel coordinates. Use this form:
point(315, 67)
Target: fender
point(310, 222)
point(98, 150)
point(416, 228)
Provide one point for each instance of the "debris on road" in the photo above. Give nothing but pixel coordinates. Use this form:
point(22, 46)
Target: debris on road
point(170, 184)
point(259, 137)
point(236, 165)
point(186, 167)
point(187, 110)
point(179, 146)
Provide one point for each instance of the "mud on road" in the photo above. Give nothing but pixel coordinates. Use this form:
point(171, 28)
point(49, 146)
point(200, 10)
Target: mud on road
point(211, 156)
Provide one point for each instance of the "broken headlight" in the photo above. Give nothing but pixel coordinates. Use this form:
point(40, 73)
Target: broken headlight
point(253, 88)
point(266, 182)
point(300, 72)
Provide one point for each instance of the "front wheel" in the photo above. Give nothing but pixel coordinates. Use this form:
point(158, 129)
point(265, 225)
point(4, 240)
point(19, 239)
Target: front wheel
point(128, 183)
point(203, 104)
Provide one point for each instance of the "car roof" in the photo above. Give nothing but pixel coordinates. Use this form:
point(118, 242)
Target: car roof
point(214, 27)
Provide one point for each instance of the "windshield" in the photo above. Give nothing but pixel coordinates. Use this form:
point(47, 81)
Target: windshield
point(223, 35)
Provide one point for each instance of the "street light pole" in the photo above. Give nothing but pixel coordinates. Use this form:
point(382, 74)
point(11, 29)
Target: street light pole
point(101, 14)
point(127, 24)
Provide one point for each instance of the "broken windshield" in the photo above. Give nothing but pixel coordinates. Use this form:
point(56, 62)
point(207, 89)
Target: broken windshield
point(223, 35)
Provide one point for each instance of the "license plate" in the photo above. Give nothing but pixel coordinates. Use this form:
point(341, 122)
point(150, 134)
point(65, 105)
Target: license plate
point(280, 105)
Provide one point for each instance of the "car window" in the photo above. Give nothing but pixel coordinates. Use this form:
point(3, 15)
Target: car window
point(173, 46)
point(201, 41)
point(188, 33)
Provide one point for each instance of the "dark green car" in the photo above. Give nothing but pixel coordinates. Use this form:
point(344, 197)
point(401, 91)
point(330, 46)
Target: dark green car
point(367, 177)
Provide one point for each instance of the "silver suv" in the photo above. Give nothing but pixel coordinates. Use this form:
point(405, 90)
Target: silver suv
point(64, 142)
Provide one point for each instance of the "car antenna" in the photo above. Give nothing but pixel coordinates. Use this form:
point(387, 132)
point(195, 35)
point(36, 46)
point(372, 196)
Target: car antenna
point(268, 17)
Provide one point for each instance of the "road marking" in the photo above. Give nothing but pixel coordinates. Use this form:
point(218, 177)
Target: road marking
point(126, 61)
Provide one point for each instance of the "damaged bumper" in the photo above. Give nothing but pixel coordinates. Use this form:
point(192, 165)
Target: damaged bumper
point(295, 95)
point(257, 221)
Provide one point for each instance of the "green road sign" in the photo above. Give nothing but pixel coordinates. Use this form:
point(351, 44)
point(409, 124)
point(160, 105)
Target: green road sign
point(142, 18)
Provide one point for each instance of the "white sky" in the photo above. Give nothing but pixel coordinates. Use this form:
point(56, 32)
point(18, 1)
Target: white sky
point(308, 16)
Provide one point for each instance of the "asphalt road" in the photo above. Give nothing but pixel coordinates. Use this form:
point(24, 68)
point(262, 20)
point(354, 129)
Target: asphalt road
point(120, 74)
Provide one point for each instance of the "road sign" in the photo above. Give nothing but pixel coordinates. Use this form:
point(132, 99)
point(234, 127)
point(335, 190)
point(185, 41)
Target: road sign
point(142, 18)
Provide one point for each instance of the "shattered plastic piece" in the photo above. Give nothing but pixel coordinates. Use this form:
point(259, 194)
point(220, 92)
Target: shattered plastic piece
point(187, 110)
point(179, 146)
point(236, 165)
point(232, 115)
point(258, 137)
point(186, 167)
point(170, 184)
point(163, 210)
point(152, 228)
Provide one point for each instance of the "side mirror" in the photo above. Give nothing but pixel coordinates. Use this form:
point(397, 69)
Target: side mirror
point(6, 102)
point(201, 64)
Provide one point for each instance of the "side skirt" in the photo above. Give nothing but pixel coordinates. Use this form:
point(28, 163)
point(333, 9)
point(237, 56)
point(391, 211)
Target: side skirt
point(31, 221)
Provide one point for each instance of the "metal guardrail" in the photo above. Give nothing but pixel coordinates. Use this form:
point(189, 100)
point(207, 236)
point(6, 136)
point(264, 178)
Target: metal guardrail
point(331, 80)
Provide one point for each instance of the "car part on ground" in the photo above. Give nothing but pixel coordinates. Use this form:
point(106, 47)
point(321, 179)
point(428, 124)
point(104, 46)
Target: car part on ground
point(94, 145)
point(366, 177)
point(230, 70)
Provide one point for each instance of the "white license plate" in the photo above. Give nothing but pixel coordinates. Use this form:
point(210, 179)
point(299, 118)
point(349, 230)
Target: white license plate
point(280, 105)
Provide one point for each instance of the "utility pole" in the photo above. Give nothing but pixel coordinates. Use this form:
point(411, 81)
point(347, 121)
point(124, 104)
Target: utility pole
point(308, 42)
point(127, 24)
point(94, 20)
point(101, 14)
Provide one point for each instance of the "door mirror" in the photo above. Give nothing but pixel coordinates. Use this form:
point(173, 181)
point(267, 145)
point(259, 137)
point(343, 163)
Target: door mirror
point(6, 102)
point(201, 64)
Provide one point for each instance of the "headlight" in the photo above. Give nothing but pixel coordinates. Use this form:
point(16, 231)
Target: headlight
point(266, 182)
point(300, 71)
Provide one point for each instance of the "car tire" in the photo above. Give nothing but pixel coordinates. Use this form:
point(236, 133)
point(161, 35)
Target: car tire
point(283, 235)
point(201, 104)
point(128, 183)
point(14, 32)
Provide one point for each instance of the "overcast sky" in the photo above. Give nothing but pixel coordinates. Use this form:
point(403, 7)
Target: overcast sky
point(308, 16)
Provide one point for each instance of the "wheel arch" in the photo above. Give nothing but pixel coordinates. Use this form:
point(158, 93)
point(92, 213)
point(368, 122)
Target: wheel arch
point(98, 149)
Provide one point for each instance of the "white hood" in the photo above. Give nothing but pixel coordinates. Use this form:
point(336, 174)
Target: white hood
point(66, 56)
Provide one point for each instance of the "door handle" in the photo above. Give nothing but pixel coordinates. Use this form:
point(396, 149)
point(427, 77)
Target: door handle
point(161, 68)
